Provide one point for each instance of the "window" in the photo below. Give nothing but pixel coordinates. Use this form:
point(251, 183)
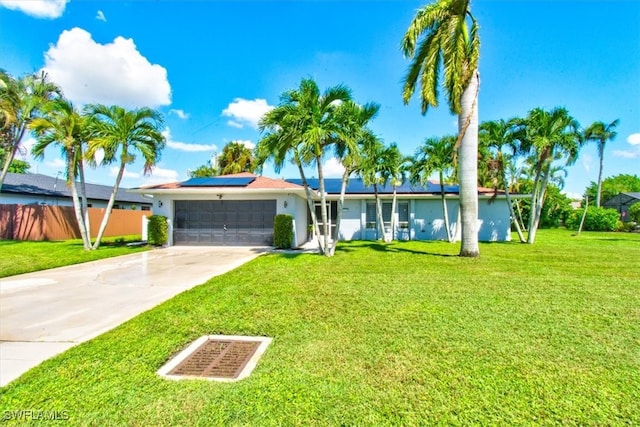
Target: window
point(403, 215)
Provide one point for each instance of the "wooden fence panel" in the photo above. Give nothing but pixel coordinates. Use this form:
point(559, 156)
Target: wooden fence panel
point(35, 222)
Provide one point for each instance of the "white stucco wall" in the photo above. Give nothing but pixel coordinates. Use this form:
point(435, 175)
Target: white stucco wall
point(494, 224)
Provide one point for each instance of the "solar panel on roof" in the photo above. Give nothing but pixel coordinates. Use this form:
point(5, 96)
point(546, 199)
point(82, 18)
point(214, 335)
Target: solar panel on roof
point(219, 181)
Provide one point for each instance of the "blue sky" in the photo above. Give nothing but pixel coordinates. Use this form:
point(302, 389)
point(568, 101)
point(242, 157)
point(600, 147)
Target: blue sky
point(213, 67)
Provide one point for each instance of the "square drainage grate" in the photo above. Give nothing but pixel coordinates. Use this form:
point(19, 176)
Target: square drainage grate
point(217, 358)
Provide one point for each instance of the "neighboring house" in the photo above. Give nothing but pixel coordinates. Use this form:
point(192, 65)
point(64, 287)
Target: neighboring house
point(38, 189)
point(239, 209)
point(622, 202)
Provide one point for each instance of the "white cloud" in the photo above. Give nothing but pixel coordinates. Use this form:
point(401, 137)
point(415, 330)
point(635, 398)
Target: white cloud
point(56, 163)
point(37, 8)
point(112, 73)
point(627, 154)
point(113, 171)
point(160, 176)
point(235, 124)
point(587, 161)
point(183, 146)
point(634, 139)
point(332, 168)
point(180, 113)
point(246, 112)
point(572, 196)
point(100, 16)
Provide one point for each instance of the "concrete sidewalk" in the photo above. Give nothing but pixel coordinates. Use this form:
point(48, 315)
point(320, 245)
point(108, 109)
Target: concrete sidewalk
point(47, 312)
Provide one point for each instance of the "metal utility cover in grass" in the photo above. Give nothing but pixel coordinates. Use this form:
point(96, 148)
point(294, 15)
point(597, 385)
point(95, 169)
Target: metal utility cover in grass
point(217, 358)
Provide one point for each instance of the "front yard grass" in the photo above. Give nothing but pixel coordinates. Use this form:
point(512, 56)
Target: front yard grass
point(18, 257)
point(381, 334)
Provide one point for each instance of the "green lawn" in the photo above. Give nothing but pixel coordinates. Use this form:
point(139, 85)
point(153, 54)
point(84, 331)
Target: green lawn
point(397, 334)
point(17, 257)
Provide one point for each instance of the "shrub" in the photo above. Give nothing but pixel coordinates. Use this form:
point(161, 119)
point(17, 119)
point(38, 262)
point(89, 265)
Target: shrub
point(158, 230)
point(597, 219)
point(634, 212)
point(283, 231)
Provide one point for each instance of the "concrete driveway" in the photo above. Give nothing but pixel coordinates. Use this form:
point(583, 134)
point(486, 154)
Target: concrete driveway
point(47, 312)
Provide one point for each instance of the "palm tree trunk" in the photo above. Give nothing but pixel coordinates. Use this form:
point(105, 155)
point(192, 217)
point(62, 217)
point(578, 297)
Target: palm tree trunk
point(468, 151)
point(323, 206)
point(76, 202)
point(393, 216)
point(310, 204)
point(343, 190)
point(512, 214)
point(107, 212)
point(599, 193)
point(84, 202)
point(445, 210)
point(536, 209)
point(380, 227)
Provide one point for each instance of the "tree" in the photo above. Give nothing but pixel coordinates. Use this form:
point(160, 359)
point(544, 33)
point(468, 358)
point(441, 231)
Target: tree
point(497, 135)
point(549, 136)
point(452, 44)
point(394, 171)
point(349, 150)
point(613, 185)
point(60, 124)
point(17, 165)
point(435, 155)
point(305, 125)
point(20, 103)
point(204, 171)
point(371, 172)
point(600, 133)
point(122, 134)
point(235, 158)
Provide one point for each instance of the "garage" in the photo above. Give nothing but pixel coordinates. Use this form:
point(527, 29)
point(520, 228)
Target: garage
point(224, 222)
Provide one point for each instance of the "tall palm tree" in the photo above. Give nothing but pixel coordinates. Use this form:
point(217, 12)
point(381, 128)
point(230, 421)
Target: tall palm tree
point(235, 158)
point(435, 155)
point(549, 136)
point(311, 128)
point(61, 124)
point(20, 101)
point(371, 172)
point(122, 134)
point(394, 171)
point(601, 133)
point(444, 34)
point(354, 118)
point(497, 135)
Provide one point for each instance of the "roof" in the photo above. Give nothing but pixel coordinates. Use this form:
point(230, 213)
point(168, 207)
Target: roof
point(621, 199)
point(44, 185)
point(357, 186)
point(244, 180)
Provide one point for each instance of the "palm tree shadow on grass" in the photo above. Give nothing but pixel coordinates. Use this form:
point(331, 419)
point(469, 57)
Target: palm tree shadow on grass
point(392, 247)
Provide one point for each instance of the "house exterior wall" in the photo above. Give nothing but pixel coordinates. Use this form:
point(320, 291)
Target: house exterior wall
point(164, 205)
point(426, 220)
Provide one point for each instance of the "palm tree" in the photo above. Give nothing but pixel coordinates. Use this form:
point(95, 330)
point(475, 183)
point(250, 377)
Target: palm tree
point(549, 136)
point(20, 101)
point(354, 119)
point(60, 124)
point(371, 171)
point(305, 124)
point(435, 155)
point(121, 134)
point(235, 158)
point(497, 135)
point(394, 171)
point(601, 133)
point(450, 42)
